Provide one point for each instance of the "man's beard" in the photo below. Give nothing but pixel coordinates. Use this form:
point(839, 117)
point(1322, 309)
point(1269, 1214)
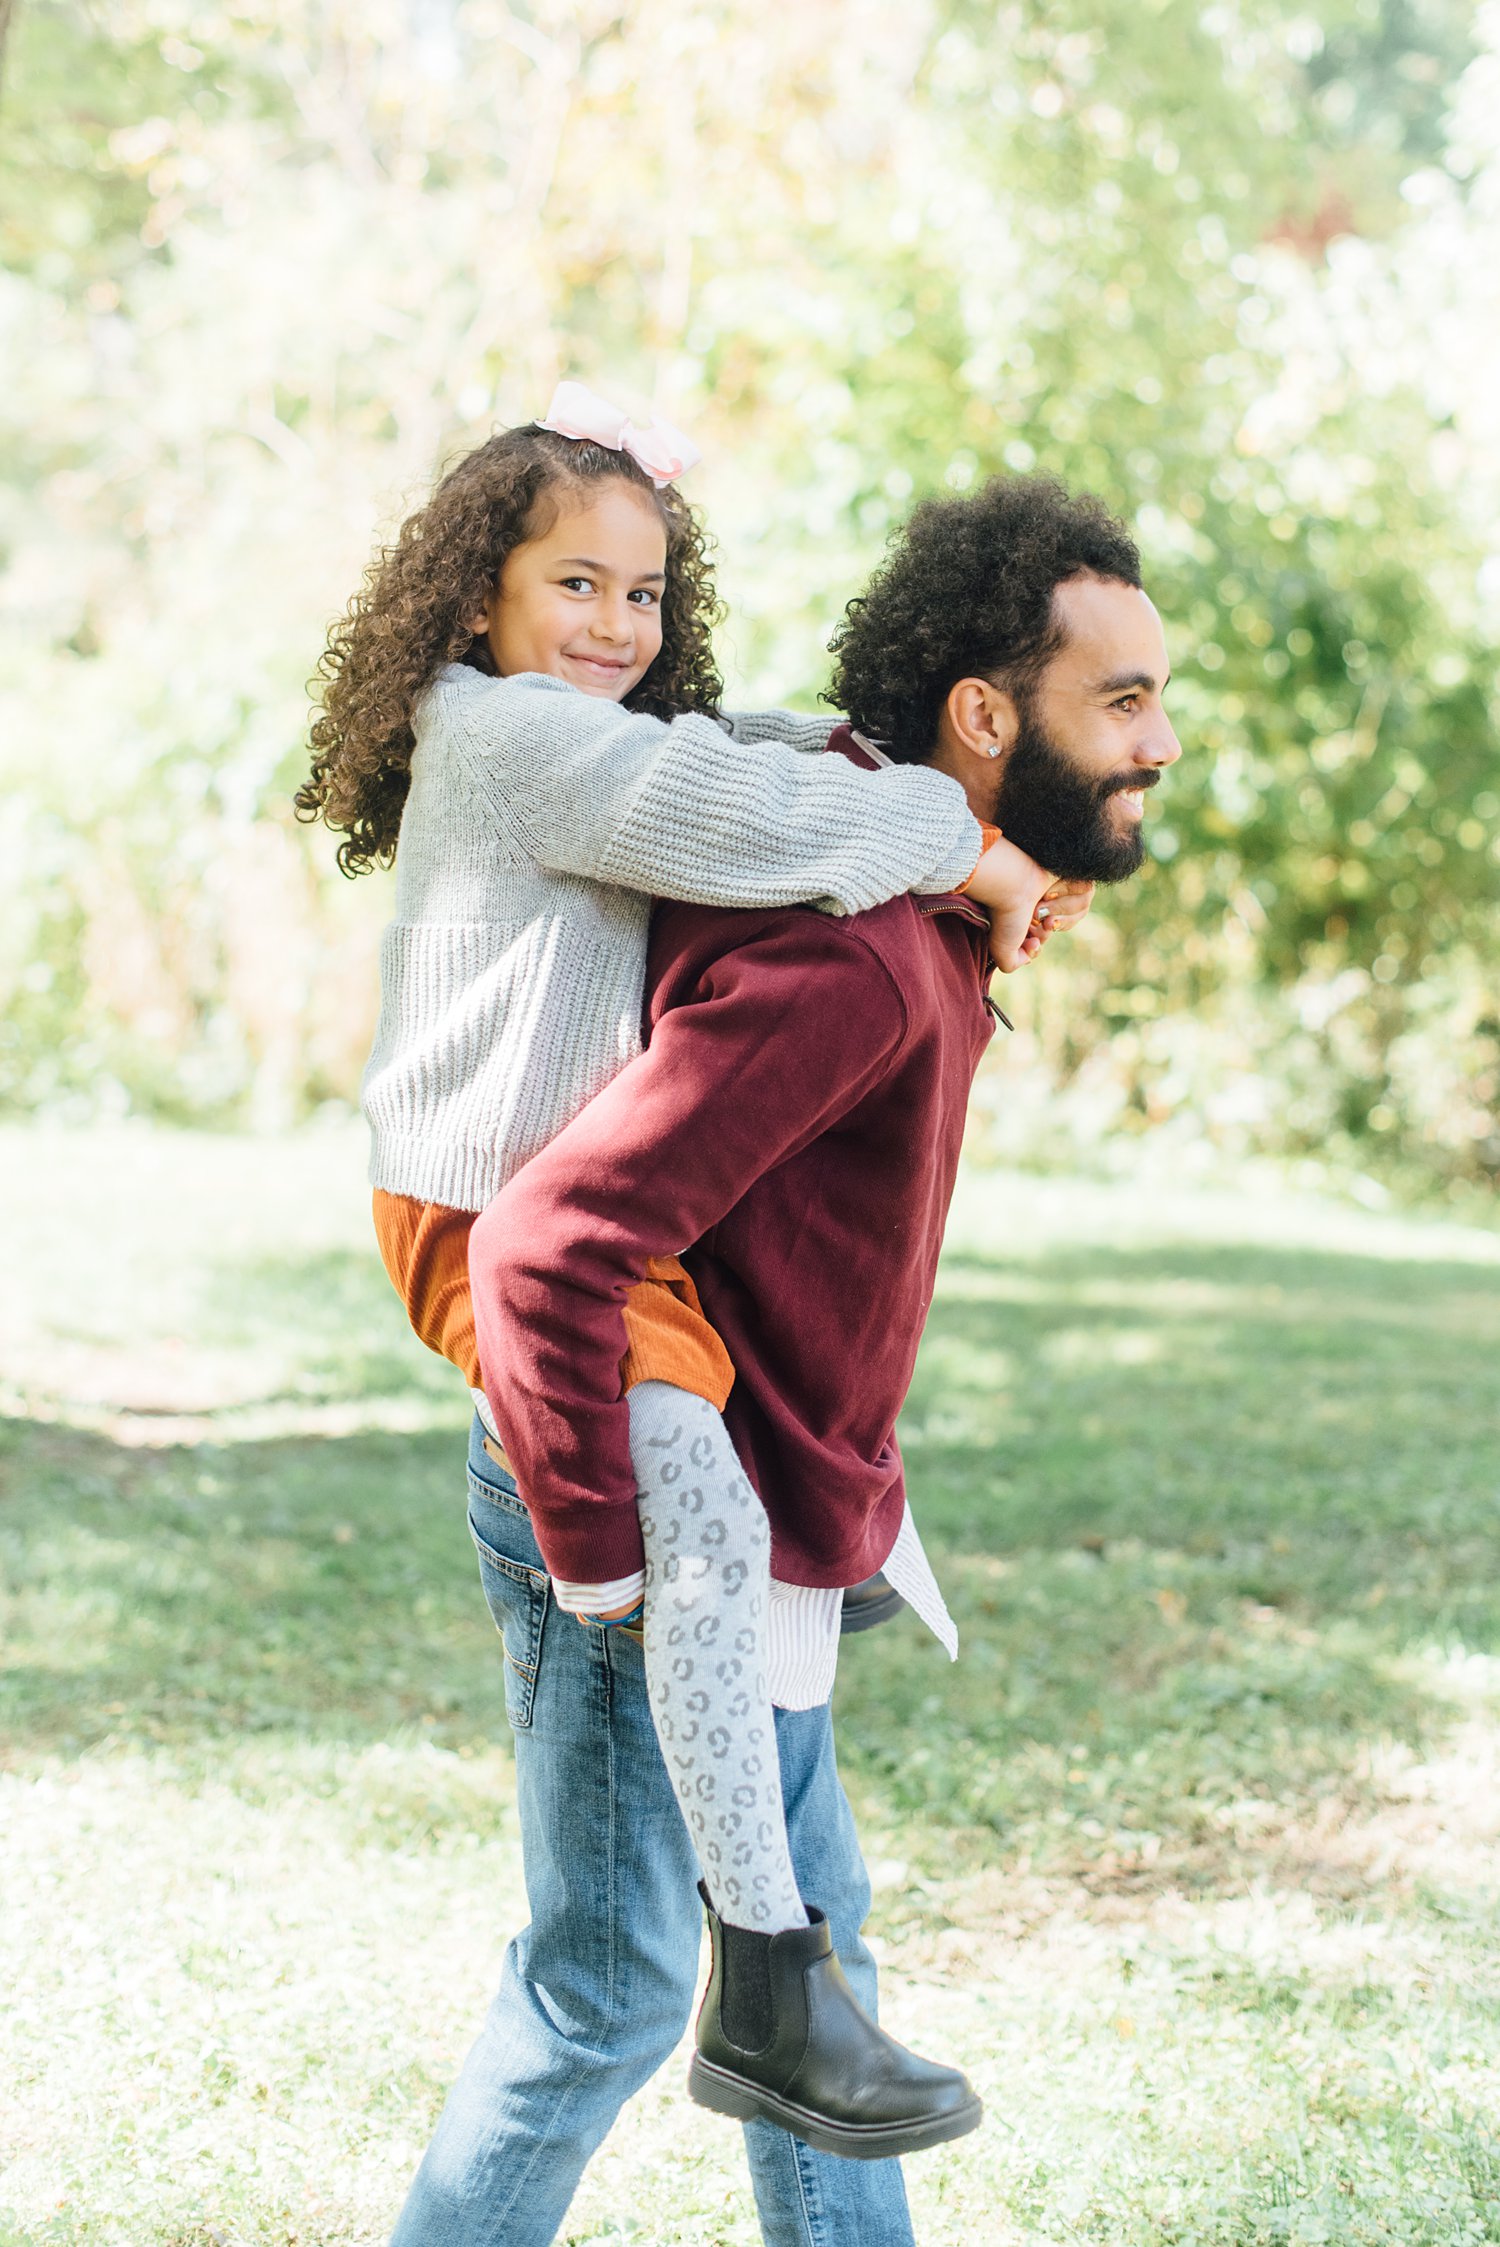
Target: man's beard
point(1060, 816)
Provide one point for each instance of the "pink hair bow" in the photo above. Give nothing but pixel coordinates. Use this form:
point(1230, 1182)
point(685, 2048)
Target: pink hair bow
point(578, 412)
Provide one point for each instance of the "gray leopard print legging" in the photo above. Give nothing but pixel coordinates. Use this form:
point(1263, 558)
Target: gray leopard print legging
point(708, 1589)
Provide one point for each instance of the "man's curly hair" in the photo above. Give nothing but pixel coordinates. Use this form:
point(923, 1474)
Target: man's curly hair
point(407, 620)
point(965, 591)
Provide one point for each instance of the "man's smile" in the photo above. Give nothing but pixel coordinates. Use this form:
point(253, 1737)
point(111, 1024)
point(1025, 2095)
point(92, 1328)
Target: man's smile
point(1130, 790)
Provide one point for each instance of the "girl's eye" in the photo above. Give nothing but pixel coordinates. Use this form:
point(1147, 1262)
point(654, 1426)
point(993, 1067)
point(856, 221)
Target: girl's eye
point(646, 596)
point(578, 584)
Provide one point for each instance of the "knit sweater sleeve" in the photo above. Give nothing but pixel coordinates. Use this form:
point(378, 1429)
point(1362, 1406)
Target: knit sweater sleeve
point(794, 727)
point(681, 810)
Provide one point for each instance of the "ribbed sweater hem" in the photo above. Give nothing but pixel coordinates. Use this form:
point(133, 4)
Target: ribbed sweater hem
point(436, 1170)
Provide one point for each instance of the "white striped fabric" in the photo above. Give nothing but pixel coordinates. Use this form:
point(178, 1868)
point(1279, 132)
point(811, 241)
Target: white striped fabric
point(802, 1642)
point(802, 1649)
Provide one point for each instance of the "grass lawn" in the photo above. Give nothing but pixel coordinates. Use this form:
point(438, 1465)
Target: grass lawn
point(1190, 1860)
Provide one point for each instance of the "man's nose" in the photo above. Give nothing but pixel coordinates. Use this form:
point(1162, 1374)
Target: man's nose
point(1162, 747)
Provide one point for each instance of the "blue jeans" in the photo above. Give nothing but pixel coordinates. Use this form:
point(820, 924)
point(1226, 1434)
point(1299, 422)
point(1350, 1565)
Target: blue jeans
point(597, 1990)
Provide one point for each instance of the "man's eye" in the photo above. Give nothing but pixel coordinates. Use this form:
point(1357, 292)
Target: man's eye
point(1128, 702)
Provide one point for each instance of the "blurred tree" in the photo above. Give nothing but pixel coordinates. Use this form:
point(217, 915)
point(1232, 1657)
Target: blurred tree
point(265, 262)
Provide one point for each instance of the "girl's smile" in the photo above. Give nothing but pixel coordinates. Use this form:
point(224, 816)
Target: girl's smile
point(582, 602)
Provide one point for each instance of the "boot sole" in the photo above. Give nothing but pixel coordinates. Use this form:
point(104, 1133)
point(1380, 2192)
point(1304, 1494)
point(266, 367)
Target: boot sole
point(713, 2087)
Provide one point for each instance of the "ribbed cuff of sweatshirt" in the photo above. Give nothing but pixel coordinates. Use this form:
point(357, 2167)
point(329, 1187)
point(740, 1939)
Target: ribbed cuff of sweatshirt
point(593, 1545)
point(988, 837)
point(952, 872)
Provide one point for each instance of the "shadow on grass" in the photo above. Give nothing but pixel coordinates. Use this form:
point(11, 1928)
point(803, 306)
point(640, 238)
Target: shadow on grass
point(1206, 1398)
point(324, 1588)
point(1213, 1519)
point(1203, 1514)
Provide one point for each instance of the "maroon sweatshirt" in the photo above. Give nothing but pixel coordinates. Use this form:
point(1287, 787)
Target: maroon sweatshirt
point(793, 1131)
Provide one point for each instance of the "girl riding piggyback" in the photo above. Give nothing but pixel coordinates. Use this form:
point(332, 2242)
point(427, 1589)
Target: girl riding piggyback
point(522, 707)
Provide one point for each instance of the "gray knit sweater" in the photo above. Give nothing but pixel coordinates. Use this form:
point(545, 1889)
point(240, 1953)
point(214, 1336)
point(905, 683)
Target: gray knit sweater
point(541, 823)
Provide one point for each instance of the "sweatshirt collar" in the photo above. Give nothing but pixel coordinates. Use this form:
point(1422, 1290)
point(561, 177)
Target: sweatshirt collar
point(846, 741)
point(857, 747)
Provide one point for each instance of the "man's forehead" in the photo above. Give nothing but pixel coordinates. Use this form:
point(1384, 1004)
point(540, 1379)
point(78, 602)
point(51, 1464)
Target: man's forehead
point(1109, 627)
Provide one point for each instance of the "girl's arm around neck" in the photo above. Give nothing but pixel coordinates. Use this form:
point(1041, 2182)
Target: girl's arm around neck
point(794, 727)
point(681, 810)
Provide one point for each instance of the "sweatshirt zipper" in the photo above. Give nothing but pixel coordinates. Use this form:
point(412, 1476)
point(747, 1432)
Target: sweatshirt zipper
point(971, 913)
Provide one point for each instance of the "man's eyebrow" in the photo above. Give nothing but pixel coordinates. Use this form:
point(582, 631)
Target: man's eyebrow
point(602, 569)
point(1121, 680)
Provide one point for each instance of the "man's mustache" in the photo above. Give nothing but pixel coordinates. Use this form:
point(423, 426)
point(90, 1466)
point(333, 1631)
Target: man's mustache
point(1127, 780)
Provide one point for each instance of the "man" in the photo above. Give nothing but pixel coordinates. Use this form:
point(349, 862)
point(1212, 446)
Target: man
point(793, 1127)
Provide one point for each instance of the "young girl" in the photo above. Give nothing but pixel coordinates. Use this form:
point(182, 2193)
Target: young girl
point(524, 694)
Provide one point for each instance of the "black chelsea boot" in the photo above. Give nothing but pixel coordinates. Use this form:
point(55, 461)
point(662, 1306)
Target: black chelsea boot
point(782, 2038)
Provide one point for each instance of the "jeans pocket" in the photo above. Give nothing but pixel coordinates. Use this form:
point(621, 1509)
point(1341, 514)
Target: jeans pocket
point(517, 1598)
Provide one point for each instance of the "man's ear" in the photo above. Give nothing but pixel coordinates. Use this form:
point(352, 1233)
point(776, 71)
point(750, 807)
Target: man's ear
point(982, 718)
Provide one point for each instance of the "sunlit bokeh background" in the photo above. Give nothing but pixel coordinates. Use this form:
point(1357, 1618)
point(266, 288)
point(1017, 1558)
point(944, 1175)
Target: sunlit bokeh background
point(268, 263)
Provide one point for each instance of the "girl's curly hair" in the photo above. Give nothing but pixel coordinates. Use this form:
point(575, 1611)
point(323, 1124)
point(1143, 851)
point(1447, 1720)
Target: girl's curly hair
point(965, 591)
point(407, 620)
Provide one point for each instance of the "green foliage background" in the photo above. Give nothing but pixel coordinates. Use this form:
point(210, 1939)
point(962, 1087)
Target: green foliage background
point(266, 262)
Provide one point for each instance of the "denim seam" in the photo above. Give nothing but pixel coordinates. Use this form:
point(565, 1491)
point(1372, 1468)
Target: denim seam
point(495, 1494)
point(807, 2194)
point(534, 1584)
point(569, 2095)
point(535, 1579)
point(540, 2147)
point(607, 1677)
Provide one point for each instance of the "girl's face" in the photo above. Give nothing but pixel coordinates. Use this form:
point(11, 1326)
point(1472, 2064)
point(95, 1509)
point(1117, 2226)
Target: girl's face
point(583, 601)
